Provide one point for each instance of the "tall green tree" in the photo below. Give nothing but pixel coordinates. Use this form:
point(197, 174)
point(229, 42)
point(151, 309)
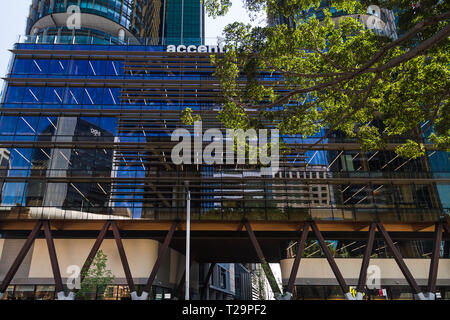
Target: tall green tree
point(259, 284)
point(96, 279)
point(340, 76)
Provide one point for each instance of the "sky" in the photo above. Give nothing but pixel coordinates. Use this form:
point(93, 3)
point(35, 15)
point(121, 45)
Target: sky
point(214, 27)
point(13, 14)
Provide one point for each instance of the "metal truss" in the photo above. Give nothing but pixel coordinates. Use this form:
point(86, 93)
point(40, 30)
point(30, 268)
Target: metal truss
point(307, 227)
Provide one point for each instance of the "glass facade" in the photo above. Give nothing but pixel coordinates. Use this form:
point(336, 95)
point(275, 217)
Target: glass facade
point(184, 22)
point(87, 132)
point(149, 22)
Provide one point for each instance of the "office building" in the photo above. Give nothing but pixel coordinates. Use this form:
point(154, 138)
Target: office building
point(151, 22)
point(86, 131)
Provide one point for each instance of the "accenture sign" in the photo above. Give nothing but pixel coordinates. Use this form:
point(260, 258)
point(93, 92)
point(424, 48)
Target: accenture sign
point(193, 49)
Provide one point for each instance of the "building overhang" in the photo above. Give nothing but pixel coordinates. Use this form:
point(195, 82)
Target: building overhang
point(214, 225)
point(87, 20)
point(221, 241)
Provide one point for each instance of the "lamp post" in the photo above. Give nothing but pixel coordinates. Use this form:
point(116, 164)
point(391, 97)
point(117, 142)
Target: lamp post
point(188, 242)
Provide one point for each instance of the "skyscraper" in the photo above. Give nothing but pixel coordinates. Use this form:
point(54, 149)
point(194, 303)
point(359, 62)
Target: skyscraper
point(150, 22)
point(86, 124)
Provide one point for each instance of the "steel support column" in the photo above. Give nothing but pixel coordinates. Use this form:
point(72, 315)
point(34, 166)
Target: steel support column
point(434, 264)
point(298, 257)
point(365, 262)
point(123, 256)
point(155, 268)
point(53, 259)
point(19, 259)
point(94, 250)
point(401, 264)
point(89, 259)
point(331, 262)
point(266, 267)
point(447, 227)
point(206, 281)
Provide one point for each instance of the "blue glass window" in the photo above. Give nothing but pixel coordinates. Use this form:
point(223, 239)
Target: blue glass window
point(111, 96)
point(73, 96)
point(59, 67)
point(13, 193)
point(21, 66)
point(8, 125)
point(96, 68)
point(53, 95)
point(39, 66)
point(92, 96)
point(444, 195)
point(27, 125)
point(47, 125)
point(14, 94)
point(114, 68)
point(78, 67)
point(33, 95)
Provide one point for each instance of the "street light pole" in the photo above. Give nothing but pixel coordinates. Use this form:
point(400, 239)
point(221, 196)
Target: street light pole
point(188, 242)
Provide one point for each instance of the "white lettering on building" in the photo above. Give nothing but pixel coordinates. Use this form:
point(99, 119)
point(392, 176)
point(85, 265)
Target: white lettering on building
point(193, 49)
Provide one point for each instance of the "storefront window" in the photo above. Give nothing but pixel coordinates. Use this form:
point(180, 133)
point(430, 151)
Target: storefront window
point(107, 294)
point(9, 293)
point(401, 293)
point(45, 293)
point(122, 293)
point(312, 293)
point(334, 293)
point(24, 293)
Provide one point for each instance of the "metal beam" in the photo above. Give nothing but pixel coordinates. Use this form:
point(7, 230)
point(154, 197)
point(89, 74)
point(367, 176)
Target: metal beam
point(365, 263)
point(266, 267)
point(332, 263)
point(434, 263)
point(19, 259)
point(123, 256)
point(398, 258)
point(330, 229)
point(206, 280)
point(53, 258)
point(94, 250)
point(301, 247)
point(161, 254)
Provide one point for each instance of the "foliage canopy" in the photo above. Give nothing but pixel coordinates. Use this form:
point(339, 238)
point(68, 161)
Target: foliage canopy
point(334, 75)
point(95, 279)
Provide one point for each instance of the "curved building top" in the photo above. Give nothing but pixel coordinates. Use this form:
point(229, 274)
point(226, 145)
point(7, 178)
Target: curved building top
point(119, 21)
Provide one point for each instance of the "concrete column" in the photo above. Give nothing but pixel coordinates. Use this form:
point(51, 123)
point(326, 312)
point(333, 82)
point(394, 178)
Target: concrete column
point(349, 296)
point(62, 296)
point(143, 296)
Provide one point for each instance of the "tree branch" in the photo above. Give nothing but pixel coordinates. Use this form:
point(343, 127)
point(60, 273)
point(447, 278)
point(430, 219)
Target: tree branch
point(347, 115)
point(424, 46)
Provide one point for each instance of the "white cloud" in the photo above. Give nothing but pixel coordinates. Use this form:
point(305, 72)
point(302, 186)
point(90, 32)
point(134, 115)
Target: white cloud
point(214, 27)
